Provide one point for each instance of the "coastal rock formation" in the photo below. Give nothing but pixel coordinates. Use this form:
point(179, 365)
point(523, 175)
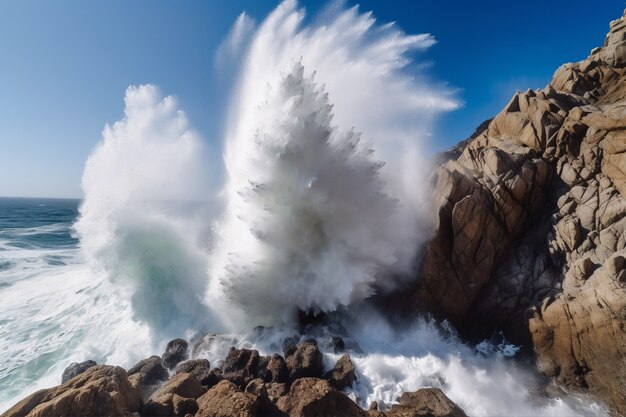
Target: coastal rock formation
point(304, 361)
point(311, 397)
point(107, 390)
point(76, 368)
point(426, 402)
point(99, 391)
point(343, 373)
point(531, 226)
point(175, 353)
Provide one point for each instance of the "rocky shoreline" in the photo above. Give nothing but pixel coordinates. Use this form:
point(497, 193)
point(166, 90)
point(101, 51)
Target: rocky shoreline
point(531, 227)
point(246, 384)
point(531, 241)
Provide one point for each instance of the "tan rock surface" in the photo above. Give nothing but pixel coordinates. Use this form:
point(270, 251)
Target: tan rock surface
point(528, 211)
point(99, 391)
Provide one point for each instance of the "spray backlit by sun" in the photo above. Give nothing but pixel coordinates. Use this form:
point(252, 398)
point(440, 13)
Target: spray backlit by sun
point(316, 215)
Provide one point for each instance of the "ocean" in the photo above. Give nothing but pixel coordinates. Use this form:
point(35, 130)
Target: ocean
point(53, 308)
point(56, 309)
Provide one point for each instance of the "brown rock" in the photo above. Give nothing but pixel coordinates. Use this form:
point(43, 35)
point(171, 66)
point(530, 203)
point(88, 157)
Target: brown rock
point(175, 352)
point(530, 214)
point(148, 374)
point(306, 361)
point(99, 391)
point(343, 374)
point(174, 395)
point(199, 369)
point(426, 402)
point(241, 366)
point(309, 397)
point(226, 400)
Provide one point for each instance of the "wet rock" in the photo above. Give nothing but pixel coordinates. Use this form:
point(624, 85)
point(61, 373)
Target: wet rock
point(198, 368)
point(175, 352)
point(527, 212)
point(277, 370)
point(148, 374)
point(343, 374)
point(312, 397)
point(275, 390)
point(76, 368)
point(174, 398)
point(305, 361)
point(227, 400)
point(337, 345)
point(426, 402)
point(266, 407)
point(241, 366)
point(98, 391)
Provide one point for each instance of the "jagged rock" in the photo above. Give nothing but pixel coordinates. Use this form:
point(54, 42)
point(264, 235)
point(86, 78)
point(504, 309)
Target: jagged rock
point(98, 391)
point(174, 398)
point(76, 368)
point(175, 352)
point(426, 402)
point(226, 400)
point(267, 407)
point(526, 212)
point(201, 370)
point(241, 366)
point(305, 361)
point(148, 374)
point(275, 390)
point(277, 370)
point(343, 374)
point(309, 397)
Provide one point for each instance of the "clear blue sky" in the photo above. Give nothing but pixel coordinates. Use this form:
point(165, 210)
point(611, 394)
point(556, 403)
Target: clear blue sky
point(64, 66)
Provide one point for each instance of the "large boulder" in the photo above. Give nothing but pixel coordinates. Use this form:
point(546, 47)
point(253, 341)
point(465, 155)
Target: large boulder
point(426, 402)
point(312, 397)
point(176, 351)
point(276, 370)
point(241, 366)
point(227, 400)
point(343, 373)
point(76, 368)
point(305, 361)
point(201, 370)
point(174, 398)
point(148, 374)
point(98, 391)
point(529, 213)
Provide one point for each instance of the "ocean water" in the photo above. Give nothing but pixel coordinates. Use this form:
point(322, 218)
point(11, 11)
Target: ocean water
point(53, 308)
point(324, 202)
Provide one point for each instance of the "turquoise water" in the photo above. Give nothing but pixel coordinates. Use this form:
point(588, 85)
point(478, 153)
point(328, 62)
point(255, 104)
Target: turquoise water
point(53, 308)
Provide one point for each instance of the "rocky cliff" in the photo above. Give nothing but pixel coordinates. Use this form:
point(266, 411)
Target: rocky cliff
point(531, 236)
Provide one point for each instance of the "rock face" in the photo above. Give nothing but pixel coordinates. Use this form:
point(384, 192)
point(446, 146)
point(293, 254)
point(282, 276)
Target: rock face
point(426, 402)
point(226, 400)
point(175, 398)
point(98, 391)
point(343, 374)
point(148, 374)
point(305, 361)
point(241, 366)
point(312, 397)
point(76, 368)
point(531, 226)
point(175, 352)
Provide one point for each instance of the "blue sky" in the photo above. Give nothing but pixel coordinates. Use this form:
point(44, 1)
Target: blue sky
point(64, 66)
